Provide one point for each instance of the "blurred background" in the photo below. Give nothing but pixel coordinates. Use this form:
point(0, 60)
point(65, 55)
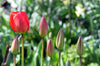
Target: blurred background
point(75, 17)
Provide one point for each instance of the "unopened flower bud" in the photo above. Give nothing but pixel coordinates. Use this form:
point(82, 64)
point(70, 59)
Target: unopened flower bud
point(43, 27)
point(15, 46)
point(80, 47)
point(60, 40)
point(50, 48)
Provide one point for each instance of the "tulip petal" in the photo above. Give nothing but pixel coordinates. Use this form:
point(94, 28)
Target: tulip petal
point(12, 21)
point(12, 25)
point(12, 15)
point(20, 25)
point(25, 18)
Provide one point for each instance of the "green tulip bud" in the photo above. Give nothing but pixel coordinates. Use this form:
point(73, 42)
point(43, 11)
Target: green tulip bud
point(80, 47)
point(60, 40)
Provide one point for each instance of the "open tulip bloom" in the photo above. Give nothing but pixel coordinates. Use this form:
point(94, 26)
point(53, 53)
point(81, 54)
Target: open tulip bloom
point(19, 23)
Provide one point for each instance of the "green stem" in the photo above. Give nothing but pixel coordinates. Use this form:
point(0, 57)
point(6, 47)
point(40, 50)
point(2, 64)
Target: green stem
point(14, 60)
point(51, 61)
point(80, 61)
point(70, 11)
point(22, 50)
point(42, 51)
point(59, 58)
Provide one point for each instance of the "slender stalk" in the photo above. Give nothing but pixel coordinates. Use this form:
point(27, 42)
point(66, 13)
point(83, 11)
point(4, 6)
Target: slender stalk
point(80, 61)
point(14, 60)
point(20, 5)
point(42, 7)
point(42, 51)
point(70, 10)
point(59, 58)
point(22, 50)
point(51, 61)
point(49, 13)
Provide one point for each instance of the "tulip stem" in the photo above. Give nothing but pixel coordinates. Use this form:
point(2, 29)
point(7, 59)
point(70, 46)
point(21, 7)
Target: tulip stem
point(51, 61)
point(80, 61)
point(59, 58)
point(14, 60)
point(22, 50)
point(42, 51)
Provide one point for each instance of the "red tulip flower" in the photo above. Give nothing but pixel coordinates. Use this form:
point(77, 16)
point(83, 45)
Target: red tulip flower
point(19, 21)
point(43, 27)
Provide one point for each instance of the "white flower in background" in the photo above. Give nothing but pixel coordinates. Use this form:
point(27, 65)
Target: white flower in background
point(95, 21)
point(60, 23)
point(34, 20)
point(4, 28)
point(80, 11)
point(99, 33)
point(17, 58)
point(50, 1)
point(48, 58)
point(65, 39)
point(1, 10)
point(13, 4)
point(50, 34)
point(6, 17)
point(64, 25)
point(52, 24)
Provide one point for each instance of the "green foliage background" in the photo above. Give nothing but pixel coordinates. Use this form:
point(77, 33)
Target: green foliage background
point(85, 22)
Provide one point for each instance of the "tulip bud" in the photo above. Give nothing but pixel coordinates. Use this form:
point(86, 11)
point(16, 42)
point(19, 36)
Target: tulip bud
point(50, 48)
point(60, 40)
point(15, 46)
point(80, 47)
point(43, 27)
